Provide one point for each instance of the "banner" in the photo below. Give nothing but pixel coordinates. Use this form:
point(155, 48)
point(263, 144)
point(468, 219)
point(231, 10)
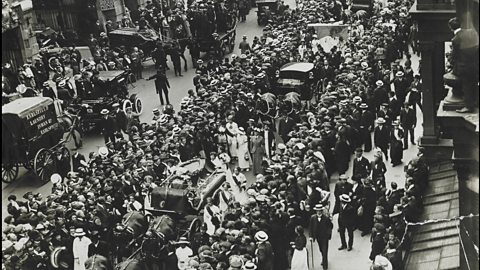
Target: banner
point(333, 34)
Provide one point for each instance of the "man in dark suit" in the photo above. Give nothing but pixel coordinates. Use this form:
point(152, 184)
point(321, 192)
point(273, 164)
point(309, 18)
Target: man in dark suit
point(366, 126)
point(97, 246)
point(394, 106)
point(264, 251)
point(361, 165)
point(120, 118)
point(408, 121)
point(108, 126)
point(381, 136)
point(76, 160)
point(285, 125)
point(346, 221)
point(321, 231)
point(161, 85)
point(341, 187)
point(465, 63)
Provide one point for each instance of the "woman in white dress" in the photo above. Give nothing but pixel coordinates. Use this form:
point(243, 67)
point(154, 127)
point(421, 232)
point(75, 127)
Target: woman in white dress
point(299, 258)
point(232, 130)
point(243, 153)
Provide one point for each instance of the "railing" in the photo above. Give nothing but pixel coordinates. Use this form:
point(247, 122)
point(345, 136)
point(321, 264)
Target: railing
point(436, 4)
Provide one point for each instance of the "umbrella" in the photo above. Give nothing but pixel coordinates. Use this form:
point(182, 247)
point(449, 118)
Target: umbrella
point(293, 97)
point(361, 13)
point(269, 97)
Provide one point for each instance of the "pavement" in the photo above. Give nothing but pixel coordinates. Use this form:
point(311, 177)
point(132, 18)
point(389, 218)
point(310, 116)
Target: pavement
point(357, 259)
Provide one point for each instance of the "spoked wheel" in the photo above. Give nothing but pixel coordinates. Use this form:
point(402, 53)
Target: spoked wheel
point(44, 164)
point(9, 173)
point(127, 104)
point(194, 227)
point(137, 105)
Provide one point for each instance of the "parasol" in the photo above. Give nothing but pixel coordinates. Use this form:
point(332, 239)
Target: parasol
point(293, 97)
point(269, 97)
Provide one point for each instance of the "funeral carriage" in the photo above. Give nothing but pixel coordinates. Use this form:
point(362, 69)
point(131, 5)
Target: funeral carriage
point(116, 91)
point(266, 10)
point(179, 200)
point(296, 77)
point(145, 40)
point(33, 137)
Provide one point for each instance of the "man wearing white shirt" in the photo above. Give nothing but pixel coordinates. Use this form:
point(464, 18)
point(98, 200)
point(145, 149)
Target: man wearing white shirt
point(232, 130)
point(80, 249)
point(183, 253)
point(315, 44)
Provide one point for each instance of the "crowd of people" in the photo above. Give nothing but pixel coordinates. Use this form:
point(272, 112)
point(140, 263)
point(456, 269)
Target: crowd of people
point(218, 121)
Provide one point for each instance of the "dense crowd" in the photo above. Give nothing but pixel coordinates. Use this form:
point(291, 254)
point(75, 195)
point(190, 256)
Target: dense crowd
point(218, 121)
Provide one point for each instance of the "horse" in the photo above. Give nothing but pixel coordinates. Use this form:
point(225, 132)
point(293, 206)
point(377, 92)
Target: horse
point(125, 235)
point(266, 109)
point(98, 262)
point(156, 242)
point(181, 34)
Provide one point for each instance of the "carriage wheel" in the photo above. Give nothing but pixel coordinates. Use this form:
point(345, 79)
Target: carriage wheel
point(137, 104)
point(51, 60)
point(193, 228)
point(44, 164)
point(9, 173)
point(127, 104)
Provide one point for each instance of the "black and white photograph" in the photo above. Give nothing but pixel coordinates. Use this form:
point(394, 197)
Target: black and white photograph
point(240, 135)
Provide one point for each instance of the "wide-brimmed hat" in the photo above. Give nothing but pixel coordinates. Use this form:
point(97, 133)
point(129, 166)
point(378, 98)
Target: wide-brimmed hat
point(183, 240)
point(103, 151)
point(249, 266)
point(345, 198)
point(55, 178)
point(380, 120)
point(79, 232)
point(261, 236)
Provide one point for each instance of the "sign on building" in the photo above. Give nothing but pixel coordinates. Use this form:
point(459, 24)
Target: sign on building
point(107, 5)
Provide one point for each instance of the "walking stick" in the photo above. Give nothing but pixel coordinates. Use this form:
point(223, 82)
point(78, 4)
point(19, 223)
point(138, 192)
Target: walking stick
point(311, 248)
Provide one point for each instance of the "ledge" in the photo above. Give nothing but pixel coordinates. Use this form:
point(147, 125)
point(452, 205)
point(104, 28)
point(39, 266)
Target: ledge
point(468, 120)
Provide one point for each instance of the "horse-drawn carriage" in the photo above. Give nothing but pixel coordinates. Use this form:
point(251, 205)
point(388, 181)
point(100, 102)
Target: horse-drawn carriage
point(145, 40)
point(266, 10)
point(219, 43)
point(32, 137)
point(115, 82)
point(296, 77)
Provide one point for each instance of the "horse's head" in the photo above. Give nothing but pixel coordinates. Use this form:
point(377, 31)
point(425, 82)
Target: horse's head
point(122, 233)
point(154, 244)
point(97, 262)
point(262, 106)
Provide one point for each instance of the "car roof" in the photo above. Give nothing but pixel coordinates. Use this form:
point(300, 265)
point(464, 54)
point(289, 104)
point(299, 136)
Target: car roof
point(265, 1)
point(24, 106)
point(297, 66)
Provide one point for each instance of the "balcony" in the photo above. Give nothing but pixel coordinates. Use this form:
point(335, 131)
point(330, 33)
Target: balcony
point(436, 4)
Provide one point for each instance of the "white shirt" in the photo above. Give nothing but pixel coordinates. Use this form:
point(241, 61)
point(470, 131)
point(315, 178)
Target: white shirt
point(183, 255)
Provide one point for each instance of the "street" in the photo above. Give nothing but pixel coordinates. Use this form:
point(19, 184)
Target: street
point(338, 260)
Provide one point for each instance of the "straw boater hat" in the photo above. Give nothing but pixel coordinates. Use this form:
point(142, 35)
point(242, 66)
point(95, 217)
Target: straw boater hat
point(318, 207)
point(104, 111)
point(399, 74)
point(103, 151)
point(79, 232)
point(55, 178)
point(363, 106)
point(261, 236)
point(379, 83)
point(183, 240)
point(380, 120)
point(249, 266)
point(345, 198)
